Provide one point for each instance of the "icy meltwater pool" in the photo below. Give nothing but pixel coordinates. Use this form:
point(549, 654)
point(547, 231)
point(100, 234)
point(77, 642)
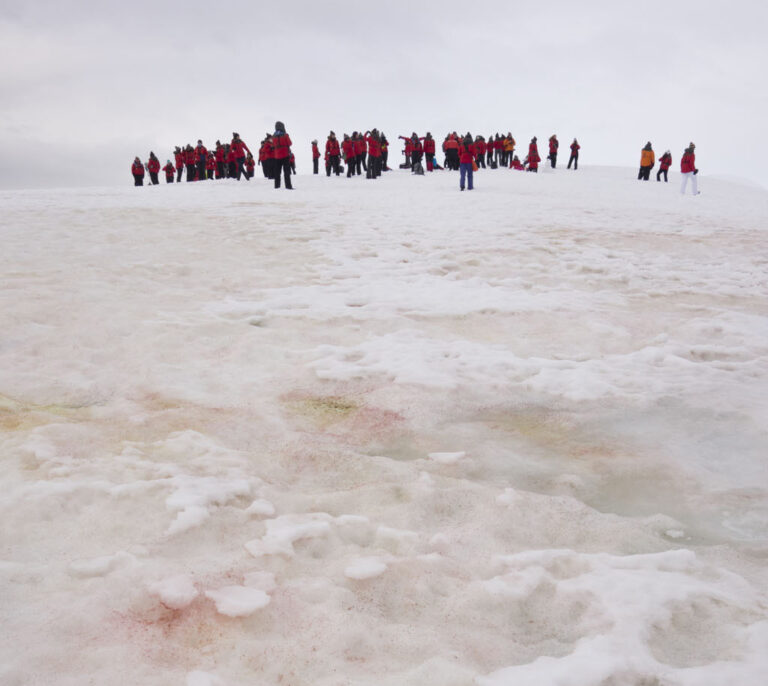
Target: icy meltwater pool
point(385, 433)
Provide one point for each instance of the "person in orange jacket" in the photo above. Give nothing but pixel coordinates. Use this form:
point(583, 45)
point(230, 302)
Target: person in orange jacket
point(665, 162)
point(137, 169)
point(169, 170)
point(451, 149)
point(647, 160)
point(315, 157)
point(509, 149)
point(574, 158)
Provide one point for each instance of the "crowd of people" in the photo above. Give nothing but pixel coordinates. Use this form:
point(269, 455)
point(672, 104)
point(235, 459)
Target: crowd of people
point(233, 160)
point(367, 153)
point(688, 168)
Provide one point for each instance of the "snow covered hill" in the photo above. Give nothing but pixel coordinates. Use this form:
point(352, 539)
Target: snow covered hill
point(384, 432)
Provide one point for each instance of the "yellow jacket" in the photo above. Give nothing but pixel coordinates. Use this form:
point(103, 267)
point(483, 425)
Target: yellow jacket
point(647, 158)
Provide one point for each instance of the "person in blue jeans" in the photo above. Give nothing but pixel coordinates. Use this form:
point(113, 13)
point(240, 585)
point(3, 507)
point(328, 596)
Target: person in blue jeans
point(466, 160)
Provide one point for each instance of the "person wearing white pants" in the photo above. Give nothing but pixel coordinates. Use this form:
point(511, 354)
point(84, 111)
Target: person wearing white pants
point(688, 169)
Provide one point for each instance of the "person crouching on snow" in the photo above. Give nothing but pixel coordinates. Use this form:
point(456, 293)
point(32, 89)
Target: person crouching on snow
point(169, 170)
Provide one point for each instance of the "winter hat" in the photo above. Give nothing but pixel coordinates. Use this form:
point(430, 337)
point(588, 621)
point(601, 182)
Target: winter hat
point(279, 126)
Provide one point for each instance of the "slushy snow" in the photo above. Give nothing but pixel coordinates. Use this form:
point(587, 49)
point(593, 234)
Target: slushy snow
point(383, 432)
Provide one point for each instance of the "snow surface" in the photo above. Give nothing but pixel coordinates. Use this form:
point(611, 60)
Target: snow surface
point(383, 432)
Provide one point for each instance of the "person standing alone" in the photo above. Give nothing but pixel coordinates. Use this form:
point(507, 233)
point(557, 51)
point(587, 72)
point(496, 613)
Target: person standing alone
point(281, 143)
point(647, 160)
point(688, 169)
point(575, 147)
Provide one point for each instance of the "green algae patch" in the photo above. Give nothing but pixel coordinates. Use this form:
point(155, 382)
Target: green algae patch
point(322, 410)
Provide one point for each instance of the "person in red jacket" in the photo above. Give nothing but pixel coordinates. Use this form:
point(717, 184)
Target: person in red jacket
point(554, 144)
point(466, 159)
point(315, 157)
point(360, 150)
point(219, 156)
point(230, 161)
point(333, 153)
point(374, 154)
point(169, 170)
point(250, 165)
point(665, 162)
point(516, 164)
point(348, 150)
point(384, 145)
point(202, 158)
point(480, 150)
point(574, 158)
point(429, 151)
point(178, 155)
point(533, 158)
point(239, 147)
point(190, 161)
point(153, 167)
point(688, 169)
point(210, 166)
point(265, 157)
point(417, 151)
point(137, 169)
point(281, 142)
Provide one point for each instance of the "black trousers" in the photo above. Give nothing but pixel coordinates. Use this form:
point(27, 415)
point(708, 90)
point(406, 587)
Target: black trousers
point(153, 178)
point(241, 168)
point(283, 165)
point(351, 164)
point(575, 160)
point(201, 168)
point(374, 167)
point(190, 172)
point(180, 171)
point(659, 173)
point(169, 178)
point(553, 159)
point(644, 173)
point(315, 164)
point(231, 170)
point(481, 161)
point(361, 157)
point(138, 180)
point(219, 170)
point(333, 164)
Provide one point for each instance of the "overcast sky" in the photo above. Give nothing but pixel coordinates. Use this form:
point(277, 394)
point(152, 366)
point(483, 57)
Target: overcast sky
point(88, 85)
